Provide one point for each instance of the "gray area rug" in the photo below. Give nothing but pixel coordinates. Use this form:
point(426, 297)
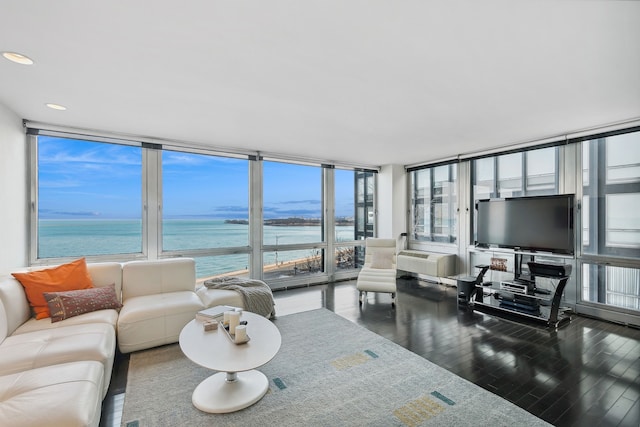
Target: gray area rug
point(328, 372)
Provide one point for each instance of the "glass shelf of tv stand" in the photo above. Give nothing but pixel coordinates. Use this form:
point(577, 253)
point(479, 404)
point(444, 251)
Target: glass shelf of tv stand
point(518, 304)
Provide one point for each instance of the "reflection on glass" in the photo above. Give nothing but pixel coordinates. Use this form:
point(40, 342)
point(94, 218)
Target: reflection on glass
point(611, 224)
point(621, 285)
point(345, 258)
point(612, 194)
point(510, 175)
point(623, 158)
point(585, 220)
point(484, 176)
point(283, 264)
point(623, 221)
point(585, 164)
point(364, 202)
point(541, 169)
point(421, 202)
point(434, 203)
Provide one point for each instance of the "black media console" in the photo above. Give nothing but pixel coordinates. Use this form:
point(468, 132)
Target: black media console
point(522, 296)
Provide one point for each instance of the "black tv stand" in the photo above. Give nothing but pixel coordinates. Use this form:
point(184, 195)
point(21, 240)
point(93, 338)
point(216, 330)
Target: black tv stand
point(520, 297)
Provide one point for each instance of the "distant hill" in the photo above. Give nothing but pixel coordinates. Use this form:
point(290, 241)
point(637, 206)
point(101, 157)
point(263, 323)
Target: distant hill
point(236, 221)
point(292, 221)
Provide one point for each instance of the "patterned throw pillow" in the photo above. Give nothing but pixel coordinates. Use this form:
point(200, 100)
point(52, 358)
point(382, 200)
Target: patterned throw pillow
point(63, 305)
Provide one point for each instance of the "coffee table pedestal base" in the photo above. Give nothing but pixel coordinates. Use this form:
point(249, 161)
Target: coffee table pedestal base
point(230, 392)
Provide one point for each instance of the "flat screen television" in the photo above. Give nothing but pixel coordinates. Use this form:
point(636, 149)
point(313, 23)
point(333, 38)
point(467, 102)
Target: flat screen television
point(541, 223)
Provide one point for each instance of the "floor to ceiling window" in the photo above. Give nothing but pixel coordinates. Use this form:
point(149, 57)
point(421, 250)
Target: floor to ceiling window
point(509, 175)
point(364, 203)
point(205, 206)
point(345, 205)
point(434, 204)
point(528, 173)
point(610, 220)
point(364, 185)
point(89, 199)
point(110, 199)
point(293, 229)
point(353, 200)
point(533, 172)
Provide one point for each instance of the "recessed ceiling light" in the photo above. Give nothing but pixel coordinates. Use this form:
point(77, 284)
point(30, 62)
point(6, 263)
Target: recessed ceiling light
point(56, 106)
point(17, 58)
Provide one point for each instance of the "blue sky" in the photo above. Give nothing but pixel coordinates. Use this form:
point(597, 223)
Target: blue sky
point(79, 179)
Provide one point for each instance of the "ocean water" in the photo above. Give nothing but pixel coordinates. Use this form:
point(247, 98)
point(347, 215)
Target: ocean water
point(76, 238)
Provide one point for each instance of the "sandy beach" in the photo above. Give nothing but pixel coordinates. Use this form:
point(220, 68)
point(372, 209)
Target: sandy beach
point(269, 268)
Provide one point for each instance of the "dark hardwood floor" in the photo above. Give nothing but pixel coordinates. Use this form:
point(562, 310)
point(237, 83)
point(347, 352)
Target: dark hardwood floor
point(585, 373)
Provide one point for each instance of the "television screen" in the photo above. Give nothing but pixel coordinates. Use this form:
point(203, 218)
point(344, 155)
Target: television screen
point(543, 223)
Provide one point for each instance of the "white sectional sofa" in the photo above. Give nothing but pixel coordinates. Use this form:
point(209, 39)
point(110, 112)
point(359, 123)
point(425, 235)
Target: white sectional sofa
point(57, 373)
point(427, 263)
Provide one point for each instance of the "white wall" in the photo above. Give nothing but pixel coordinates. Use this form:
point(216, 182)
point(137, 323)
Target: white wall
point(13, 191)
point(391, 202)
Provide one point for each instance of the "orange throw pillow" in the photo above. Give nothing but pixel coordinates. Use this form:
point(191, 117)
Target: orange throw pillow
point(65, 277)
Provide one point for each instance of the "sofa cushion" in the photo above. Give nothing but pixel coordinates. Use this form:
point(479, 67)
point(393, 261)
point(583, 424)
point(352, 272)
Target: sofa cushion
point(50, 347)
point(151, 320)
point(68, 394)
point(63, 305)
point(110, 317)
point(106, 274)
point(65, 277)
point(157, 277)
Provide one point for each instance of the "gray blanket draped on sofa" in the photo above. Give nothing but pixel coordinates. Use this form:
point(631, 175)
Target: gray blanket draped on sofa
point(256, 294)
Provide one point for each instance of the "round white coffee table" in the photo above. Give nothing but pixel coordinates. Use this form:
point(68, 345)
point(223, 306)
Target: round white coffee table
point(238, 384)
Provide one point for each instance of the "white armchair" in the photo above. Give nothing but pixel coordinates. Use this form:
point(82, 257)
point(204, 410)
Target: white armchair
point(379, 271)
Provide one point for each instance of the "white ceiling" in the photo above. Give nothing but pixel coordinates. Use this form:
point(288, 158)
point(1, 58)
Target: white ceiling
point(369, 82)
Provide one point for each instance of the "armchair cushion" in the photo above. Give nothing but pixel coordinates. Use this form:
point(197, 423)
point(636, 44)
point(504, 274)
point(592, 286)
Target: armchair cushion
point(382, 260)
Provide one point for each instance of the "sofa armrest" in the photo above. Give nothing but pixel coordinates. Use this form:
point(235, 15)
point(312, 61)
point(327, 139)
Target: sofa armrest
point(16, 305)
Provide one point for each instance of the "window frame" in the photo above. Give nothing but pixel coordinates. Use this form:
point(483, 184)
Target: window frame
point(523, 192)
point(597, 190)
point(33, 156)
point(151, 189)
point(452, 205)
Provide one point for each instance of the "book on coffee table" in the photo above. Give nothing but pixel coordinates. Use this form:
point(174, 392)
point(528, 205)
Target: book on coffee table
point(213, 313)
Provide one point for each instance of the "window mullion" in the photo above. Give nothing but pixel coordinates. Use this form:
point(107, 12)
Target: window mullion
point(256, 218)
point(152, 202)
point(329, 221)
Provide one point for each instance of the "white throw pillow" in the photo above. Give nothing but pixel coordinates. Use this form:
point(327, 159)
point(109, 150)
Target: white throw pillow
point(381, 260)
